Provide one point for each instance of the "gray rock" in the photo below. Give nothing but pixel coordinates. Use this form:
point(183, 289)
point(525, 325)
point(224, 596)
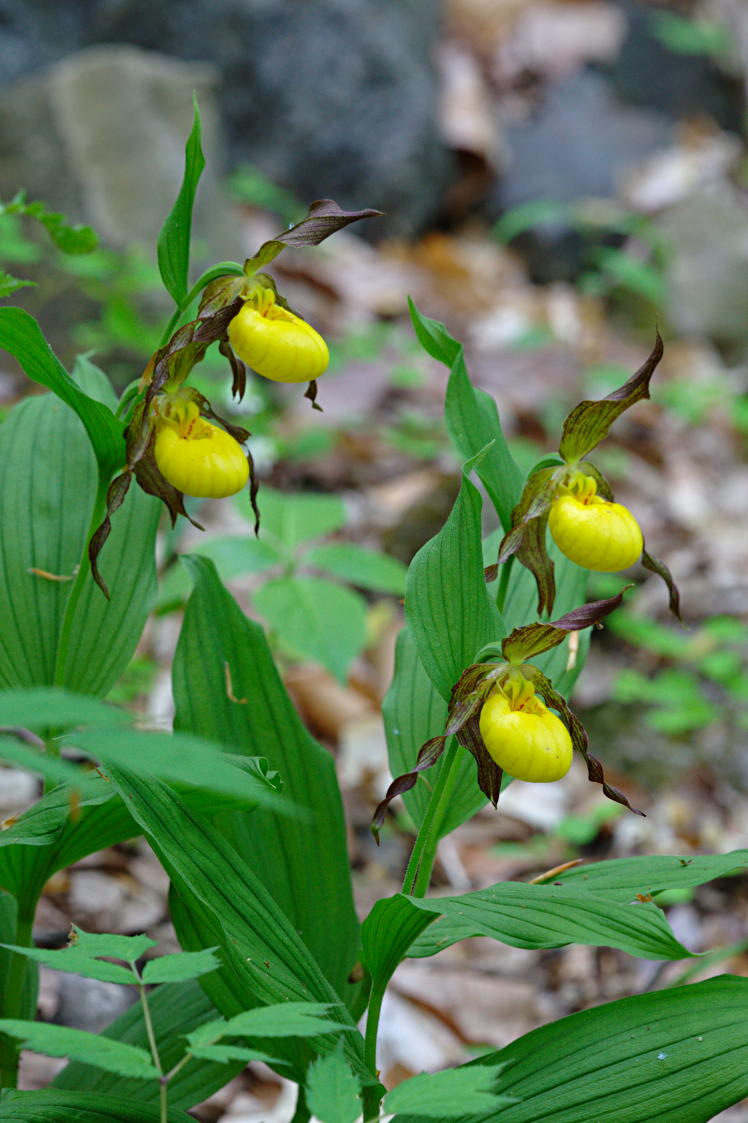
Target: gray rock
point(707, 268)
point(580, 143)
point(649, 73)
point(335, 98)
point(90, 1004)
point(65, 138)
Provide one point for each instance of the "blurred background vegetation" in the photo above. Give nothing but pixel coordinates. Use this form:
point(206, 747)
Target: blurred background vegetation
point(558, 177)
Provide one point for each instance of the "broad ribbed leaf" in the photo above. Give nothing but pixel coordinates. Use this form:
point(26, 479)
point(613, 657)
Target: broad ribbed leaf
point(226, 688)
point(272, 963)
point(413, 713)
point(173, 247)
point(80, 1107)
point(47, 490)
point(21, 336)
point(621, 879)
point(676, 1056)
point(62, 1041)
point(387, 934)
point(544, 916)
point(446, 604)
point(175, 1010)
point(472, 419)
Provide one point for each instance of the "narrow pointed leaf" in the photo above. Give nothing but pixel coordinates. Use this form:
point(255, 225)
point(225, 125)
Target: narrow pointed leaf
point(622, 879)
point(173, 247)
point(77, 963)
point(472, 418)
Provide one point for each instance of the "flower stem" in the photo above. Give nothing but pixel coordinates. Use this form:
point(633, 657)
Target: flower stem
point(163, 1090)
point(418, 873)
point(11, 1002)
point(222, 269)
point(504, 575)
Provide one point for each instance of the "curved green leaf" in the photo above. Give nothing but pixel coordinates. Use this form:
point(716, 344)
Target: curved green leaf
point(675, 1056)
point(79, 1107)
point(269, 960)
point(21, 336)
point(226, 688)
point(413, 713)
point(472, 419)
point(47, 490)
point(173, 247)
point(62, 1041)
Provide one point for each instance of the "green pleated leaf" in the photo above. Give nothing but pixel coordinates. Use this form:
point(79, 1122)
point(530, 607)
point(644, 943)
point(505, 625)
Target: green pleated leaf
point(176, 1010)
point(270, 962)
point(675, 1056)
point(21, 336)
point(226, 688)
point(368, 569)
point(449, 1094)
point(472, 419)
point(173, 246)
point(446, 604)
point(64, 826)
point(315, 619)
point(545, 916)
point(621, 879)
point(78, 1044)
point(413, 713)
point(185, 760)
point(80, 1107)
point(181, 967)
point(56, 707)
point(388, 933)
point(332, 1091)
point(47, 491)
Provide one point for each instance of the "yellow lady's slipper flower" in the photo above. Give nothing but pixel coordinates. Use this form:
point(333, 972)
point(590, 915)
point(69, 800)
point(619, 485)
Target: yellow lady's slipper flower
point(196, 457)
point(522, 735)
point(591, 531)
point(276, 343)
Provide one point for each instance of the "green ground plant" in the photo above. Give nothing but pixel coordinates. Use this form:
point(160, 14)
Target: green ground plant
point(239, 803)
